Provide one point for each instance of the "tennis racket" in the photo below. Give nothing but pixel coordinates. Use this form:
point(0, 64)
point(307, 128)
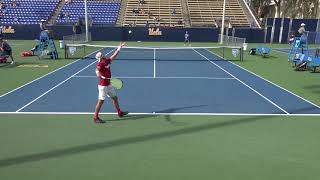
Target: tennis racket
point(116, 83)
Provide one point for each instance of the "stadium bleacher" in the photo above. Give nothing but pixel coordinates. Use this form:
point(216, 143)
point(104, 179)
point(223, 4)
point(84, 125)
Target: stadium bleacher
point(27, 12)
point(169, 13)
point(204, 12)
point(100, 12)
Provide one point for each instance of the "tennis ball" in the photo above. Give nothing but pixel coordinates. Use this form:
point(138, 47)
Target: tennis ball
point(130, 31)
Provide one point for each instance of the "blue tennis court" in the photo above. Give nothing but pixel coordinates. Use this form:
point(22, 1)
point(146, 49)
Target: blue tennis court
point(193, 81)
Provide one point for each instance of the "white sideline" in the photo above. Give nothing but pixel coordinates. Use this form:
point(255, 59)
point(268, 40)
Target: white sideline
point(272, 82)
point(244, 83)
point(142, 77)
point(58, 84)
point(161, 114)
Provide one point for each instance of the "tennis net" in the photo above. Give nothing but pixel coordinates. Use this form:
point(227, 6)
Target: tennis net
point(76, 38)
point(232, 40)
point(216, 53)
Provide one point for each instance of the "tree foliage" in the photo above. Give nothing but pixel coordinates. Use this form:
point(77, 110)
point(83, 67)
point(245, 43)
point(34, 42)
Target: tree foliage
point(286, 8)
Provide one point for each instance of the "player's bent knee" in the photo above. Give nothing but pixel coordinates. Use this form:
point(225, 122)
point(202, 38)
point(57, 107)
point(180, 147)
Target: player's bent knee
point(112, 95)
point(111, 92)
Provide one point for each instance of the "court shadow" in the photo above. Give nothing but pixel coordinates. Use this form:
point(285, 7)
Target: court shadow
point(167, 117)
point(272, 56)
point(314, 88)
point(130, 117)
point(60, 153)
point(173, 110)
point(5, 65)
point(305, 110)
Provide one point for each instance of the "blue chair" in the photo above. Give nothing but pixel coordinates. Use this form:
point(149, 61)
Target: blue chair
point(314, 63)
point(263, 50)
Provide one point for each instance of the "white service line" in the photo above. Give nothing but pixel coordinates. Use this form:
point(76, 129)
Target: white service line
point(243, 83)
point(137, 77)
point(58, 84)
point(161, 114)
point(271, 82)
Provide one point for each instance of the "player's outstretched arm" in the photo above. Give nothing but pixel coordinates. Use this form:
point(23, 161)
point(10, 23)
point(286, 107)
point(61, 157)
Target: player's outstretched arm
point(114, 55)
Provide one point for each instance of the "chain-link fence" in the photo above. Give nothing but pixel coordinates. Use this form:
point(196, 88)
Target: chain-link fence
point(76, 38)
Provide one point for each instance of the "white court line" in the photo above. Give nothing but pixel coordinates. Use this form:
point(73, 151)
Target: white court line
point(243, 83)
point(141, 77)
point(15, 45)
point(58, 84)
point(41, 77)
point(161, 114)
point(271, 82)
point(278, 50)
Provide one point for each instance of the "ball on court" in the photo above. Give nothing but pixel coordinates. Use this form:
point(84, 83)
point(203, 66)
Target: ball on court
point(130, 31)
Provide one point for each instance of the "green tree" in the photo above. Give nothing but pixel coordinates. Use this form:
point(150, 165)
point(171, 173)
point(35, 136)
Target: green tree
point(286, 8)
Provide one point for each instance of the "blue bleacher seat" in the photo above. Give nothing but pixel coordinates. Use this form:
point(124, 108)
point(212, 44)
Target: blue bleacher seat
point(76, 9)
point(28, 11)
point(31, 12)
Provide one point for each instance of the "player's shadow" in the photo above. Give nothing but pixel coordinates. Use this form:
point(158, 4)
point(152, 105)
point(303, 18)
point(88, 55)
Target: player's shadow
point(306, 110)
point(7, 65)
point(173, 110)
point(60, 153)
point(164, 111)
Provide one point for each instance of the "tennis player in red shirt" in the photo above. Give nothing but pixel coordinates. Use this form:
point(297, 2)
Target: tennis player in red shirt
point(105, 88)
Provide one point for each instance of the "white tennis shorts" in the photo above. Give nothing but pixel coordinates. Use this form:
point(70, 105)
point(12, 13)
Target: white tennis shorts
point(106, 91)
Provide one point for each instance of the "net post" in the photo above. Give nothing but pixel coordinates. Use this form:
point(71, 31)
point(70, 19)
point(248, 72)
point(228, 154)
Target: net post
point(84, 50)
point(65, 52)
point(241, 54)
point(223, 52)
